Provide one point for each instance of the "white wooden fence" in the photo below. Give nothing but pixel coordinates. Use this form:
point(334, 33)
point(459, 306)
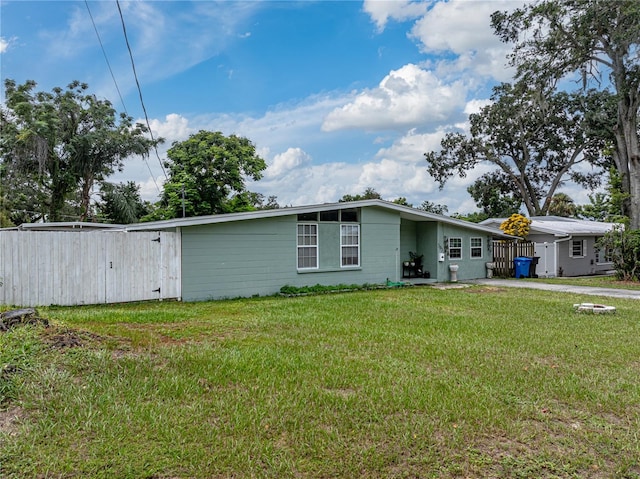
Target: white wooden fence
point(88, 267)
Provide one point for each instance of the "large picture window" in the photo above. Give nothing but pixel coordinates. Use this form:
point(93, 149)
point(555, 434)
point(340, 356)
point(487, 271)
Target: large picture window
point(350, 245)
point(307, 246)
point(455, 248)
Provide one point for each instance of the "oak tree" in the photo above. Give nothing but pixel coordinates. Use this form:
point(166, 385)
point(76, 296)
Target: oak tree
point(593, 40)
point(535, 141)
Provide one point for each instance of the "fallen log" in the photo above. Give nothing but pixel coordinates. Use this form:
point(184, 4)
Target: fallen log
point(17, 317)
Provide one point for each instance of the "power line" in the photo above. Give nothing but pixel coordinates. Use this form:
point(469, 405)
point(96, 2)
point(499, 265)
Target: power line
point(105, 56)
point(144, 109)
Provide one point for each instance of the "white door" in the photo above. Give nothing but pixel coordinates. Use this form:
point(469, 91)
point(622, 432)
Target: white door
point(547, 263)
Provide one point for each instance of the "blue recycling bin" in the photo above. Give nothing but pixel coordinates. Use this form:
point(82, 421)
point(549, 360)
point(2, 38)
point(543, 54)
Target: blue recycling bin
point(522, 266)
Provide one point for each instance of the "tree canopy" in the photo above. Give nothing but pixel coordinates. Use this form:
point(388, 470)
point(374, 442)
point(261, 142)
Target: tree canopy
point(494, 194)
point(59, 144)
point(368, 194)
point(535, 140)
point(121, 203)
point(208, 174)
point(592, 40)
point(563, 205)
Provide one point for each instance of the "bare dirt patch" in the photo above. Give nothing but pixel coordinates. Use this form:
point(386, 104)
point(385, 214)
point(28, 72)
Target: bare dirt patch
point(10, 420)
point(63, 338)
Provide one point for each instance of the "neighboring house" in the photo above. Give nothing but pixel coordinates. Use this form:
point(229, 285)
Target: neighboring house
point(566, 246)
point(258, 252)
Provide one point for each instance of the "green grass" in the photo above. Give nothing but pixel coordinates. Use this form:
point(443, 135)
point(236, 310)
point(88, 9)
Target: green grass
point(415, 382)
point(598, 281)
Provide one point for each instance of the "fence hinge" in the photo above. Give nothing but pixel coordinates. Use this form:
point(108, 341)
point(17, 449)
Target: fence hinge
point(156, 290)
point(157, 239)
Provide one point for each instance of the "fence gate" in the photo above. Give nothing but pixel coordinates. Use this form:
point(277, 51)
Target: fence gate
point(504, 253)
point(88, 267)
point(547, 263)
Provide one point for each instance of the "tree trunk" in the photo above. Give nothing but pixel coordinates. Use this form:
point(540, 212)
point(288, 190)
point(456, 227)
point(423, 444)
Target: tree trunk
point(628, 148)
point(87, 184)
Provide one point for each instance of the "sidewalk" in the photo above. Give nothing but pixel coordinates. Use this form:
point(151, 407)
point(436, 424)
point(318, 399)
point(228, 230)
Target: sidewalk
point(563, 288)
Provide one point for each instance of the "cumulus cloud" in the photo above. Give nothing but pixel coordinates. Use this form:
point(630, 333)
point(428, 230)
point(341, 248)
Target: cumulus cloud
point(405, 98)
point(174, 128)
point(411, 147)
point(464, 29)
point(286, 162)
point(474, 106)
point(381, 11)
point(310, 184)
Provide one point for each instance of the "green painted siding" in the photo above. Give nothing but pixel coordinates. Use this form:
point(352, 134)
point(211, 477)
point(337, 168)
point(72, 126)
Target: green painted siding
point(469, 268)
point(380, 238)
point(259, 256)
point(237, 259)
point(429, 246)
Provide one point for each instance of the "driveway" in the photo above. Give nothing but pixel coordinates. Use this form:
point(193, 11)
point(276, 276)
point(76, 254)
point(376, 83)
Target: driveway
point(564, 288)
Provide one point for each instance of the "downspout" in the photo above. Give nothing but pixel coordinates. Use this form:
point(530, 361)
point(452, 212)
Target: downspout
point(397, 264)
point(555, 249)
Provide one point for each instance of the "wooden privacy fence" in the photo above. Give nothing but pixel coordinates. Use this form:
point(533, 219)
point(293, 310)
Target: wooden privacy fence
point(39, 268)
point(505, 251)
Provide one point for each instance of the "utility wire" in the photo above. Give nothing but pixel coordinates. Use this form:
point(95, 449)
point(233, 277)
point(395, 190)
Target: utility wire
point(105, 56)
point(144, 109)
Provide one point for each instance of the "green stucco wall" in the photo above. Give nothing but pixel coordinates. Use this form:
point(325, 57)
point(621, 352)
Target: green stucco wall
point(258, 257)
point(468, 268)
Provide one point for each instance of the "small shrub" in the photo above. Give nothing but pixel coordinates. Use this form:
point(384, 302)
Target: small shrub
point(321, 289)
point(624, 249)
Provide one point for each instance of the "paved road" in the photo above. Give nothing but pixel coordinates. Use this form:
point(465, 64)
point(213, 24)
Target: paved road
point(565, 288)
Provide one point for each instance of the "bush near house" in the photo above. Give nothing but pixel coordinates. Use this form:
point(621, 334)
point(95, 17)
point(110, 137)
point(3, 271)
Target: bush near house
point(624, 248)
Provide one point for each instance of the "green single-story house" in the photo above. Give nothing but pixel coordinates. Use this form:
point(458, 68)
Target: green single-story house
point(369, 241)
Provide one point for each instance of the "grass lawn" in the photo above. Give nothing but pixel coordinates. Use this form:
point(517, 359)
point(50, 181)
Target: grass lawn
point(416, 382)
point(598, 281)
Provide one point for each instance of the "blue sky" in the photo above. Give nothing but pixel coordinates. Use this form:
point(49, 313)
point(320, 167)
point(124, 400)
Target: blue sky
point(337, 96)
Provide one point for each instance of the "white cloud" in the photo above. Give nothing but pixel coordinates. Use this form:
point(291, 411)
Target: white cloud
point(151, 187)
point(174, 128)
point(4, 44)
point(286, 162)
point(411, 147)
point(407, 97)
point(474, 106)
point(464, 28)
point(381, 11)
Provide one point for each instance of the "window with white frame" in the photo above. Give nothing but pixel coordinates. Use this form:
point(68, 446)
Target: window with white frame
point(350, 245)
point(455, 248)
point(307, 246)
point(604, 255)
point(476, 248)
point(578, 248)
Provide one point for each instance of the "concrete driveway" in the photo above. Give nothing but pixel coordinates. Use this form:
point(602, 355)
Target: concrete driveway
point(564, 288)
